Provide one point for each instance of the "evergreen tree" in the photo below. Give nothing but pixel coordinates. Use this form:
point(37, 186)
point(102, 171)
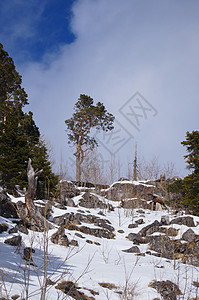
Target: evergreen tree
point(11, 92)
point(19, 135)
point(190, 184)
point(86, 116)
point(187, 189)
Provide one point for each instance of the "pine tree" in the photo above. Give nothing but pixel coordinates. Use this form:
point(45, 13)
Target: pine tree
point(86, 116)
point(19, 135)
point(190, 184)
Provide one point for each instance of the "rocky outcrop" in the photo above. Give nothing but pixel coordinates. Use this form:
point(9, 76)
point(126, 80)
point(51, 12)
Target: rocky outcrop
point(167, 289)
point(128, 189)
point(185, 220)
point(67, 190)
point(7, 208)
point(60, 238)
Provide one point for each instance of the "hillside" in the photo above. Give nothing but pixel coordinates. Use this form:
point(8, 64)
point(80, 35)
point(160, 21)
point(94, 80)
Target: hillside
point(97, 249)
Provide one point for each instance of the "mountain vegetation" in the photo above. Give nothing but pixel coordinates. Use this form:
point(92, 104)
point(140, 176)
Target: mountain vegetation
point(20, 138)
point(86, 117)
point(187, 189)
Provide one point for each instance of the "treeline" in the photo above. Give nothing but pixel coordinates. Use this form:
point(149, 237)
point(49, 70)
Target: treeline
point(20, 138)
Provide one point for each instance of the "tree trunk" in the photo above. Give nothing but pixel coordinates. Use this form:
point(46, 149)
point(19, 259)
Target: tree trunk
point(78, 167)
point(32, 185)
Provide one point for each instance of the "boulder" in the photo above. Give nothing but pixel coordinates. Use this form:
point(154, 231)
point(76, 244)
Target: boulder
point(128, 189)
point(133, 226)
point(60, 238)
point(7, 208)
point(133, 249)
point(67, 190)
point(189, 235)
point(14, 241)
point(186, 220)
point(135, 238)
point(167, 289)
point(3, 227)
point(165, 220)
point(89, 200)
point(150, 229)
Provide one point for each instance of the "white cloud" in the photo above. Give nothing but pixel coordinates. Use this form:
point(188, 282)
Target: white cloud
point(123, 47)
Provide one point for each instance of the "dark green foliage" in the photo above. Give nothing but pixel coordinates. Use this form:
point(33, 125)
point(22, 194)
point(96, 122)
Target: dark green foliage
point(192, 144)
point(47, 181)
point(19, 135)
point(188, 188)
point(191, 182)
point(11, 92)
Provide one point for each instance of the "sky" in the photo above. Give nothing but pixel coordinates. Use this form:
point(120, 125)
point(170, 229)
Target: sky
point(140, 58)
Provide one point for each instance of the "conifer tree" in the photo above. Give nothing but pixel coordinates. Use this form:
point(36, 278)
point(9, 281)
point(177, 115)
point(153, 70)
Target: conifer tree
point(86, 116)
point(19, 135)
point(190, 184)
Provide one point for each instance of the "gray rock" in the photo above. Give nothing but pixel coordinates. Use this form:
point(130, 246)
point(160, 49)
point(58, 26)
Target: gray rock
point(189, 235)
point(187, 220)
point(60, 238)
point(70, 203)
point(150, 229)
point(14, 241)
point(7, 208)
point(139, 221)
point(133, 226)
point(133, 249)
point(167, 289)
point(136, 238)
point(165, 220)
point(3, 227)
point(74, 243)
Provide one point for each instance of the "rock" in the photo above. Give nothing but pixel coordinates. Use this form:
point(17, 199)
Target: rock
point(133, 226)
point(71, 289)
point(167, 289)
point(74, 243)
point(139, 221)
point(89, 241)
point(165, 220)
point(27, 254)
point(140, 211)
point(120, 231)
point(79, 235)
point(89, 200)
point(169, 231)
point(187, 220)
point(60, 238)
point(14, 241)
point(70, 203)
point(136, 238)
point(128, 189)
point(67, 190)
point(150, 229)
point(22, 210)
point(3, 227)
point(133, 249)
point(189, 235)
point(7, 208)
point(162, 245)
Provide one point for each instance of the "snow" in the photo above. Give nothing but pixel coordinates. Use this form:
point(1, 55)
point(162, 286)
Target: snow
point(91, 264)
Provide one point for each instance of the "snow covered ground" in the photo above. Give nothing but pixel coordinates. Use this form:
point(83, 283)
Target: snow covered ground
point(93, 266)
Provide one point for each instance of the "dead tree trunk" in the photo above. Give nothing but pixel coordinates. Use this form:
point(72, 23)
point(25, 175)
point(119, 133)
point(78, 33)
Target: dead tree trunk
point(32, 185)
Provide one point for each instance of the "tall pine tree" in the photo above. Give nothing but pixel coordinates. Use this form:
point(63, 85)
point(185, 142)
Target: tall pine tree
point(19, 135)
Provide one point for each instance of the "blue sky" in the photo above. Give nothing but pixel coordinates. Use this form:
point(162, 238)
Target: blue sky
point(30, 29)
point(109, 49)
